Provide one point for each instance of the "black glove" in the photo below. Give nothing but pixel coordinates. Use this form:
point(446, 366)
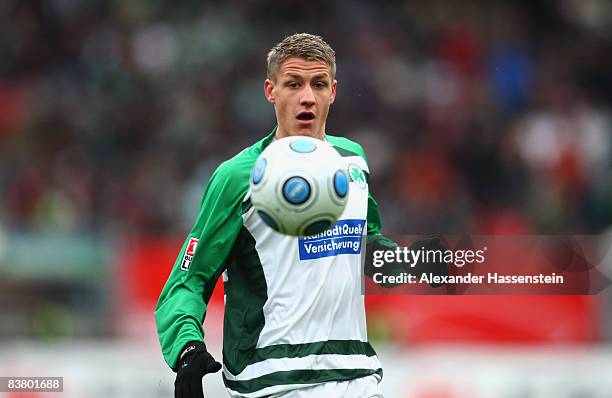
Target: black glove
point(194, 362)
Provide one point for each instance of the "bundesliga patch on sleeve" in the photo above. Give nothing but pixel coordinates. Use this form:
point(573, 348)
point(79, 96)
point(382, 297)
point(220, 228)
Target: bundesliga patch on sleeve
point(189, 252)
point(343, 238)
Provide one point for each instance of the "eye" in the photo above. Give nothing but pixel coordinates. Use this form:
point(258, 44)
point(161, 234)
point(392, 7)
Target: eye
point(320, 85)
point(293, 84)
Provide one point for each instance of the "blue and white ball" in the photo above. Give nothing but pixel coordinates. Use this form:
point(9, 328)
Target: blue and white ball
point(299, 186)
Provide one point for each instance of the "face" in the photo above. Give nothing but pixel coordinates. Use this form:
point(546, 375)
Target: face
point(301, 94)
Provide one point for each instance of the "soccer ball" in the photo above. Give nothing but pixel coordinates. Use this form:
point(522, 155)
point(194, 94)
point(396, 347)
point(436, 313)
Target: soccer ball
point(299, 186)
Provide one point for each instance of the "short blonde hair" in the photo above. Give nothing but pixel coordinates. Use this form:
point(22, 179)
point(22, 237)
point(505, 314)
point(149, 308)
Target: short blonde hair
point(301, 45)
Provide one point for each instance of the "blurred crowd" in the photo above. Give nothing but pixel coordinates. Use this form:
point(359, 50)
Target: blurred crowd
point(478, 116)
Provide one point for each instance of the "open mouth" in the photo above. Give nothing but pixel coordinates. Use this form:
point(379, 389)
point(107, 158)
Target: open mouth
point(306, 116)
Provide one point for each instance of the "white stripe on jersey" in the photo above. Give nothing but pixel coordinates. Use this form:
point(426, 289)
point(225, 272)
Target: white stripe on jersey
point(311, 362)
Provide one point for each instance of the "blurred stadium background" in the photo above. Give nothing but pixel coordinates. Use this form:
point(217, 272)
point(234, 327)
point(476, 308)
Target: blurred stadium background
point(488, 117)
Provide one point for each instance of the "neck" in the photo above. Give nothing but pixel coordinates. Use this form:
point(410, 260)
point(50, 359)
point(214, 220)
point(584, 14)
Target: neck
point(282, 133)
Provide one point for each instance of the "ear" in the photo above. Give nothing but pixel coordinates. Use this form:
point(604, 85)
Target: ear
point(269, 91)
point(333, 94)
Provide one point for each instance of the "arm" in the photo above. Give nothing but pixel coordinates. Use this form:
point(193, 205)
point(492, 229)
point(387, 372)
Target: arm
point(377, 241)
point(181, 307)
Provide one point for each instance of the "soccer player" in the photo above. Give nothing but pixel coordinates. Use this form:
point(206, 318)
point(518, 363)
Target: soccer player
point(294, 325)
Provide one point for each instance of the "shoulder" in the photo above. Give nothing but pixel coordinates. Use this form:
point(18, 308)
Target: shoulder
point(233, 174)
point(240, 165)
point(345, 146)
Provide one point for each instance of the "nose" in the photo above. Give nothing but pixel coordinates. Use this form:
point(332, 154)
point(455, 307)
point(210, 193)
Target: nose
point(307, 98)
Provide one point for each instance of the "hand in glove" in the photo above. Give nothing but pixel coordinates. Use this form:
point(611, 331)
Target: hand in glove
point(194, 362)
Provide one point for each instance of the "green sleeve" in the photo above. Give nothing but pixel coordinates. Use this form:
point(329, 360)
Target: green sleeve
point(374, 222)
point(375, 239)
point(181, 307)
point(375, 226)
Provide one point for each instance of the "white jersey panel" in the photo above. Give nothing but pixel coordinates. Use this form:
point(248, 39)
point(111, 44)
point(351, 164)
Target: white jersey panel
point(314, 283)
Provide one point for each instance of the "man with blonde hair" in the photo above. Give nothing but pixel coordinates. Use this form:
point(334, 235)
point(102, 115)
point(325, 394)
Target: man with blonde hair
point(283, 337)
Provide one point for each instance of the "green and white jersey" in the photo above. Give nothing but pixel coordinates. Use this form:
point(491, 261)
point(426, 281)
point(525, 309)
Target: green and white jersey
point(294, 312)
